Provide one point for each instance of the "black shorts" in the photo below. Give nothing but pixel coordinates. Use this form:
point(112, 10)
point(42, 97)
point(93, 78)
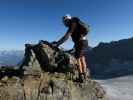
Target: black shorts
point(80, 48)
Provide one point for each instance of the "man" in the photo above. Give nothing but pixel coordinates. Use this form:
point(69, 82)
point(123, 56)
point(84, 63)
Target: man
point(78, 35)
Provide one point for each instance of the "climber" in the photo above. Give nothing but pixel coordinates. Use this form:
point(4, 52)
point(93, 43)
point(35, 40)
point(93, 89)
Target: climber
point(78, 31)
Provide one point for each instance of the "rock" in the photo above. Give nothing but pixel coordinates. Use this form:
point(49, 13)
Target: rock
point(48, 58)
point(48, 73)
point(48, 87)
point(4, 79)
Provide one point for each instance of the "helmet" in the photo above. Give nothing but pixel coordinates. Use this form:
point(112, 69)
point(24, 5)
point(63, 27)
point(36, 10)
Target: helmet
point(67, 17)
point(66, 20)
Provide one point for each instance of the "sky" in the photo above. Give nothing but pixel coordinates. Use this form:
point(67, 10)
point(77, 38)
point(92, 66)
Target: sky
point(28, 21)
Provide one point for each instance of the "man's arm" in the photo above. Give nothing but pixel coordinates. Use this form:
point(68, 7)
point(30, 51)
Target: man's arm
point(66, 36)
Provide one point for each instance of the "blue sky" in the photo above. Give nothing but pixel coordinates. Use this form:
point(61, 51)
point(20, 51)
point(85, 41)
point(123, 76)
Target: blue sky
point(27, 21)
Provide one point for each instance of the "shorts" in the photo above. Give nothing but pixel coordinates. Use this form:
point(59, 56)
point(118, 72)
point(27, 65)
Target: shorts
point(81, 48)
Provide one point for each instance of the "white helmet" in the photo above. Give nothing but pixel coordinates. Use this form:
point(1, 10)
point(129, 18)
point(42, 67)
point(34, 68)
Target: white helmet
point(67, 17)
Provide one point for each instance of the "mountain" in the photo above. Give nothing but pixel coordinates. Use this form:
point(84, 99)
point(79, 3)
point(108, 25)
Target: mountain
point(12, 57)
point(112, 59)
point(47, 73)
point(121, 50)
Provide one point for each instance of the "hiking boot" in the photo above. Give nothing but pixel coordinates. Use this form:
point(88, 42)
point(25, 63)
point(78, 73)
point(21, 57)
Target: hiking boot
point(81, 78)
point(86, 76)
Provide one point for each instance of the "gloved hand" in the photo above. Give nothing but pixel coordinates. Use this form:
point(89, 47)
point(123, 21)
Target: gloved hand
point(55, 44)
point(41, 41)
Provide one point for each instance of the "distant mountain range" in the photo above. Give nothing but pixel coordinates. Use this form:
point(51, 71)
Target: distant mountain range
point(121, 50)
point(12, 57)
point(112, 59)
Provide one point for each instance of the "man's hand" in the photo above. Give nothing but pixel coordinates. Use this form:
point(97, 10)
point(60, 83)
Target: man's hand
point(55, 44)
point(41, 41)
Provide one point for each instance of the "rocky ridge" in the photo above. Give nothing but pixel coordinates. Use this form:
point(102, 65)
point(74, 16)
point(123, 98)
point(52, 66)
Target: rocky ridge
point(47, 73)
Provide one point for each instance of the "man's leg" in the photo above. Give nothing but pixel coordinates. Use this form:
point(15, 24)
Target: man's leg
point(80, 66)
point(83, 62)
point(84, 67)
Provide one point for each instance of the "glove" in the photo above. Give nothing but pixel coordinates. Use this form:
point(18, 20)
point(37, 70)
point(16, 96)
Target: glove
point(55, 44)
point(41, 41)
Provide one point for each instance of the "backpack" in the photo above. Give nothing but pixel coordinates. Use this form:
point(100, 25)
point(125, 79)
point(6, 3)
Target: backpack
point(83, 26)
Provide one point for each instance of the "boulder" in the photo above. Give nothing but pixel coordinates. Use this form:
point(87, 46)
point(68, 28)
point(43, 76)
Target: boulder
point(45, 57)
point(48, 73)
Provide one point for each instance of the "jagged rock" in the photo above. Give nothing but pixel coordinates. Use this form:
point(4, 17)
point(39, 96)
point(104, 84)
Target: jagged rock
point(45, 76)
point(48, 58)
point(49, 87)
